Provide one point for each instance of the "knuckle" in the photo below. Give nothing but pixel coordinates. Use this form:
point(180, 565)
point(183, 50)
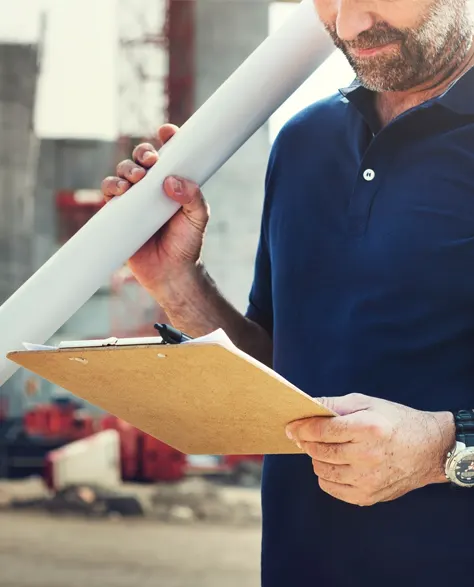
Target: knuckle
point(378, 430)
point(365, 500)
point(331, 403)
point(316, 467)
point(357, 395)
point(325, 487)
point(141, 149)
point(358, 399)
point(328, 488)
point(372, 482)
point(127, 169)
point(373, 426)
point(314, 429)
point(321, 451)
point(326, 471)
point(107, 183)
point(314, 450)
point(124, 166)
point(193, 189)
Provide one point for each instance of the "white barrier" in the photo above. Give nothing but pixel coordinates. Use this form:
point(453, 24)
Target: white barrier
point(94, 460)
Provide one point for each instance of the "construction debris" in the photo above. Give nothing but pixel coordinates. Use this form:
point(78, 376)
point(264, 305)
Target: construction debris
point(191, 501)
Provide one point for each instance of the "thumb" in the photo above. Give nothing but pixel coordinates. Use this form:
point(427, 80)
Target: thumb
point(347, 404)
point(189, 196)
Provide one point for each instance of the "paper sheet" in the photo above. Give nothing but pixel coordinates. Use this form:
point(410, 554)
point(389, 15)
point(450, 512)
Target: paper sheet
point(38, 347)
point(218, 336)
point(210, 137)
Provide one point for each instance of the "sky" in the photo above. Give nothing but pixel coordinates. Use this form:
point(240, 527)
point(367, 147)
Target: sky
point(77, 89)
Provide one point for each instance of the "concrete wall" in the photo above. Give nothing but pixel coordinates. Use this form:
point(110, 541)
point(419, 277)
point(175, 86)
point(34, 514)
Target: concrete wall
point(227, 32)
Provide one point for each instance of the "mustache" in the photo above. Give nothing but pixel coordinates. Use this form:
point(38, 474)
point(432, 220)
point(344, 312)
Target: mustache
point(375, 37)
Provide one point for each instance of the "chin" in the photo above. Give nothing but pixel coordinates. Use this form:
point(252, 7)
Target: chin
point(387, 78)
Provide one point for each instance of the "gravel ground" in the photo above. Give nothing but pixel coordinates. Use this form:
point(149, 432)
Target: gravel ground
point(41, 550)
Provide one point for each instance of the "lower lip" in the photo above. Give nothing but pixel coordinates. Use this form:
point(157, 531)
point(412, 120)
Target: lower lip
point(374, 51)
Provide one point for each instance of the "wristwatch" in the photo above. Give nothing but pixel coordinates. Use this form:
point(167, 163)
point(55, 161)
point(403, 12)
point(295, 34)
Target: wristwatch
point(460, 462)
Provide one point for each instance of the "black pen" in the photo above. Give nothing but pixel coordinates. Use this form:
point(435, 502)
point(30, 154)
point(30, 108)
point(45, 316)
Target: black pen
point(171, 335)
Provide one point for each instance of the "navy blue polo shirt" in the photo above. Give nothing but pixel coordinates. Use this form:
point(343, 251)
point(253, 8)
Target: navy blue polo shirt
point(365, 279)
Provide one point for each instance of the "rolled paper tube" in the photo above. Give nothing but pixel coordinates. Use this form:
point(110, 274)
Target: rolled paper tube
point(203, 144)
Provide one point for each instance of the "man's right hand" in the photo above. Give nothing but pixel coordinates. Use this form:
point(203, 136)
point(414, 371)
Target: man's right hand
point(174, 252)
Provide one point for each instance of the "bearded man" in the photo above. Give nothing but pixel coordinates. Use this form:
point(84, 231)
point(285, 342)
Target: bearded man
point(363, 296)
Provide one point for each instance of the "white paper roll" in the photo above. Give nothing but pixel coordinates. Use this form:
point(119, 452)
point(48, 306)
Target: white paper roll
point(211, 136)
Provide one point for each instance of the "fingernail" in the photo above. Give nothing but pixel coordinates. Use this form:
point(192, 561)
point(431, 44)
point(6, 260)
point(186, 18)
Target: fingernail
point(177, 186)
point(148, 156)
point(290, 436)
point(122, 184)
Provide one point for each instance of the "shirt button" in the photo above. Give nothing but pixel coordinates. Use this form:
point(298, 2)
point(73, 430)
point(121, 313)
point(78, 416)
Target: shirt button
point(369, 174)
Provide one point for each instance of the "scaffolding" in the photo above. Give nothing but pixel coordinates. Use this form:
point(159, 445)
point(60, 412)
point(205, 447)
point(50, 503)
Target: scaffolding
point(156, 85)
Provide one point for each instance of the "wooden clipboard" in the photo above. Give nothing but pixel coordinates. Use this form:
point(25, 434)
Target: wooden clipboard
point(199, 399)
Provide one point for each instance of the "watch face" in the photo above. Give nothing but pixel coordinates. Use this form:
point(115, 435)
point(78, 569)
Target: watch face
point(464, 470)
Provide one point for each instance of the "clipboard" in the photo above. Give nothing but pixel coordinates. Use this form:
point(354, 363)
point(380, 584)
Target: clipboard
point(201, 397)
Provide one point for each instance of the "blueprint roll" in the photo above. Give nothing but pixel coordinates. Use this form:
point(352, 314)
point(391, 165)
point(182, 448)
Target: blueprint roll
point(204, 143)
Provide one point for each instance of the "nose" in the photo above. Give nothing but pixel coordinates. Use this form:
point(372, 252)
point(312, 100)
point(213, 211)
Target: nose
point(352, 20)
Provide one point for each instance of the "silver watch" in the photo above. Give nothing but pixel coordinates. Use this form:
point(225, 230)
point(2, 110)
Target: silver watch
point(460, 465)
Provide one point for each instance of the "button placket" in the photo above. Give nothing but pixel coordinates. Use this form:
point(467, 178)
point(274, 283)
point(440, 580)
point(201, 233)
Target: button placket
point(365, 188)
point(374, 168)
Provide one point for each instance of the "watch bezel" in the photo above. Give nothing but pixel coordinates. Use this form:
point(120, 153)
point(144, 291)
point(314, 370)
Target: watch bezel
point(458, 454)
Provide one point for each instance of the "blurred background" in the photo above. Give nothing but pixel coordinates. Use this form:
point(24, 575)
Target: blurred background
point(84, 497)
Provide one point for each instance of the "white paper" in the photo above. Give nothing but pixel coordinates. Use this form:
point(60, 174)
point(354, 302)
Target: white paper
point(217, 337)
point(38, 347)
point(75, 344)
point(207, 140)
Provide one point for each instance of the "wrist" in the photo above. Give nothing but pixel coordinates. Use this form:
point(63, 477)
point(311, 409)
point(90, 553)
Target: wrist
point(444, 440)
point(181, 288)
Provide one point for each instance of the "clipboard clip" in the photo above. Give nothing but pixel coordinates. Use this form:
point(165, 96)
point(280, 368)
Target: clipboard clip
point(171, 335)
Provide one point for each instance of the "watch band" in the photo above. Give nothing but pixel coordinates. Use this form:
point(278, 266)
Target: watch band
point(464, 420)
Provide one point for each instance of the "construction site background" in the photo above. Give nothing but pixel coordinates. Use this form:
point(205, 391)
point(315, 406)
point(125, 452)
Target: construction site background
point(198, 524)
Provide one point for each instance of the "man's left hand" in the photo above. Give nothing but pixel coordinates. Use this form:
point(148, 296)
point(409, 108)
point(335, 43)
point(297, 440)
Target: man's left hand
point(375, 450)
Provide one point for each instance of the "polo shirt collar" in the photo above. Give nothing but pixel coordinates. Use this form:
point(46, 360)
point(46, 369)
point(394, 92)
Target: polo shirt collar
point(459, 97)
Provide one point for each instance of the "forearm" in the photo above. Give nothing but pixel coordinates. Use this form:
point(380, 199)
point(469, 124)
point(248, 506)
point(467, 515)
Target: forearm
point(194, 305)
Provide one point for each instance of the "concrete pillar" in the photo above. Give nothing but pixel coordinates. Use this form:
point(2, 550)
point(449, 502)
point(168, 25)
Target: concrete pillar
point(227, 32)
point(18, 160)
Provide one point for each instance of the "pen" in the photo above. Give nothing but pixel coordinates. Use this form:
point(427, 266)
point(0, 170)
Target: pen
point(171, 335)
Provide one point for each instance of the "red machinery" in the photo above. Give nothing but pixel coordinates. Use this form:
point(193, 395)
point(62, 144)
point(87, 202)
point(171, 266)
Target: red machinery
point(144, 459)
point(160, 462)
point(53, 421)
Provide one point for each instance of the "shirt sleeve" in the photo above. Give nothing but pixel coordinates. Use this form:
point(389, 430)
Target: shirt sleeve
point(260, 307)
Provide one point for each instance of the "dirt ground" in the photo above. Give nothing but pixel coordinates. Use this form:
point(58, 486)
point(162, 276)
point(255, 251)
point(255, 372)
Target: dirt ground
point(40, 550)
point(55, 548)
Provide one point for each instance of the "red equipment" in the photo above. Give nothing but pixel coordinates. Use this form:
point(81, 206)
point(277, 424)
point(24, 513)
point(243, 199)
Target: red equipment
point(58, 421)
point(144, 459)
point(160, 462)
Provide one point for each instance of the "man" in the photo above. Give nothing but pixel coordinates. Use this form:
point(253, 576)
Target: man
point(363, 295)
